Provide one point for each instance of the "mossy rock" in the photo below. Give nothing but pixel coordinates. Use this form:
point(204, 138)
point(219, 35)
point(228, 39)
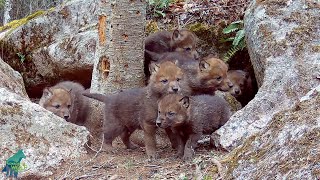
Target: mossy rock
point(151, 27)
point(19, 22)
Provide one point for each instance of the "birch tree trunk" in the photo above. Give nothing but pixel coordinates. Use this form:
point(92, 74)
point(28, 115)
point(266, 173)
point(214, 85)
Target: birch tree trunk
point(7, 9)
point(118, 63)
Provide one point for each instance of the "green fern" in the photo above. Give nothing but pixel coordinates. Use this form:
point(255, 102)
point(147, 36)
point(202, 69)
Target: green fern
point(233, 27)
point(238, 41)
point(158, 6)
point(230, 53)
point(21, 56)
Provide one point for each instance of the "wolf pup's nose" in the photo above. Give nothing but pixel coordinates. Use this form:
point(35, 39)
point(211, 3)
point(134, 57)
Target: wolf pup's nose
point(175, 89)
point(158, 124)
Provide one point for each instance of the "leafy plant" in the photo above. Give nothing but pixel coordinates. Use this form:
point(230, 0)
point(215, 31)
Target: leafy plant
point(158, 7)
point(238, 41)
point(129, 164)
point(21, 56)
point(2, 2)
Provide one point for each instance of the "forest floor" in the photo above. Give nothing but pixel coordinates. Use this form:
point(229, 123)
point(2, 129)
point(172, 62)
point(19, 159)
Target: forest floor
point(134, 164)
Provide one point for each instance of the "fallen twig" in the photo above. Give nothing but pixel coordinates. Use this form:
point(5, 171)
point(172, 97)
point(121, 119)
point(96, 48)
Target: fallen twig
point(87, 175)
point(152, 166)
point(81, 168)
point(219, 166)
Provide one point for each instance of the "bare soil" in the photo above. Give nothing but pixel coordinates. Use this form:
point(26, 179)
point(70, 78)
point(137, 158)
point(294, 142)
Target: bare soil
point(134, 164)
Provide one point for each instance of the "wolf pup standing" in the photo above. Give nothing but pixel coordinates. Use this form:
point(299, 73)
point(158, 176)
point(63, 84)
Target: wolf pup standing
point(137, 108)
point(190, 117)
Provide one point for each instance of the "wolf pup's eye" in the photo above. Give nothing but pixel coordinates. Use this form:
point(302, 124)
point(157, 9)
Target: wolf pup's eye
point(178, 79)
point(188, 49)
point(69, 106)
point(57, 106)
point(164, 81)
point(170, 113)
point(219, 78)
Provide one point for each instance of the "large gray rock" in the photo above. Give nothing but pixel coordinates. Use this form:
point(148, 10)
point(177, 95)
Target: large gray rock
point(11, 79)
point(284, 44)
point(289, 148)
point(46, 140)
point(59, 44)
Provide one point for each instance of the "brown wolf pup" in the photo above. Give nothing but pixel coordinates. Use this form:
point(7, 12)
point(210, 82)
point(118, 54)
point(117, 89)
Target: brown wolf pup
point(137, 108)
point(163, 41)
point(65, 100)
point(242, 88)
point(190, 117)
point(207, 76)
point(204, 76)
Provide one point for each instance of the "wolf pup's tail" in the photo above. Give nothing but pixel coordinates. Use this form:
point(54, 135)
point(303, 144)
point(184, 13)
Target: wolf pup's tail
point(99, 97)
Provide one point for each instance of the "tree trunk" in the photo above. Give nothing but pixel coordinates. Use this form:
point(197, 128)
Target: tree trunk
point(7, 9)
point(118, 63)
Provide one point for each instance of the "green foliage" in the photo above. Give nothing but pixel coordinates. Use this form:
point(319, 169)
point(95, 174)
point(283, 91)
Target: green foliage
point(207, 177)
point(22, 57)
point(232, 27)
point(129, 164)
point(238, 40)
point(2, 2)
point(159, 6)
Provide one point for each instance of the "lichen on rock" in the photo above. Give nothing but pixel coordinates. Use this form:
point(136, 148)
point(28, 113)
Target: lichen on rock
point(39, 133)
point(288, 147)
point(55, 45)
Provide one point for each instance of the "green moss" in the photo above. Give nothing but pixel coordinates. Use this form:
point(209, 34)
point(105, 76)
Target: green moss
point(10, 110)
point(232, 101)
point(316, 48)
point(302, 113)
point(151, 27)
point(203, 31)
point(16, 23)
point(231, 160)
point(209, 37)
point(51, 9)
point(200, 28)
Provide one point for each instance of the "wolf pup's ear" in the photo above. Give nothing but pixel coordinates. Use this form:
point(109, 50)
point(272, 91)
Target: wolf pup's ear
point(153, 68)
point(47, 92)
point(247, 75)
point(185, 101)
point(152, 55)
point(203, 65)
point(176, 62)
point(176, 35)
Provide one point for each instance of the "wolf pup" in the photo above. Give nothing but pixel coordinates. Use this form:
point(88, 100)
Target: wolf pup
point(190, 117)
point(242, 88)
point(204, 76)
point(137, 108)
point(65, 100)
point(210, 75)
point(163, 41)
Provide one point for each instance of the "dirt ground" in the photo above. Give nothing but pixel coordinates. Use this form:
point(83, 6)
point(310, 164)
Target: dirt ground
point(134, 164)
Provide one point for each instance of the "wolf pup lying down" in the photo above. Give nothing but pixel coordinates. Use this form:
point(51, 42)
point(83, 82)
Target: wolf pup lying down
point(137, 108)
point(190, 117)
point(65, 100)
